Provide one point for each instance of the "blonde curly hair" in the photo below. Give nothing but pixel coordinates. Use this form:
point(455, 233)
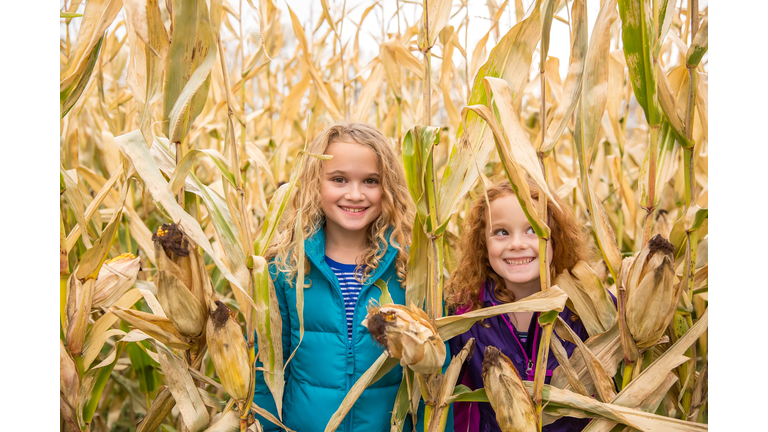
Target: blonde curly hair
point(397, 209)
point(473, 267)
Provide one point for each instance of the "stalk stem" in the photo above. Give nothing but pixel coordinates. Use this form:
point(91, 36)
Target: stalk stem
point(651, 185)
point(180, 196)
point(426, 50)
point(541, 372)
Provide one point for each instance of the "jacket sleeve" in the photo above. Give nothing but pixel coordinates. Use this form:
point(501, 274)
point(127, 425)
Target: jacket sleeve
point(262, 397)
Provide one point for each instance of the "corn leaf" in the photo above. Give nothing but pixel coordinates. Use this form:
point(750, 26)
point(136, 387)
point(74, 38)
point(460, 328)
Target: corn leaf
point(562, 359)
point(75, 200)
point(268, 330)
point(590, 299)
point(514, 172)
point(574, 79)
point(437, 14)
point(188, 53)
point(600, 378)
point(517, 141)
point(509, 60)
point(381, 366)
point(699, 46)
point(97, 17)
point(606, 347)
point(552, 299)
point(183, 389)
point(298, 234)
point(573, 404)
point(92, 386)
point(637, 33)
point(417, 145)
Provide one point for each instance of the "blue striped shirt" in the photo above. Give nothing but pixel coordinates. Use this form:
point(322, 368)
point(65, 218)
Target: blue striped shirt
point(350, 288)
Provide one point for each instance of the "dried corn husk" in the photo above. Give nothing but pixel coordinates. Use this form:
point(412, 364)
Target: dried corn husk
point(228, 352)
point(115, 278)
point(186, 313)
point(407, 334)
point(69, 381)
point(160, 328)
point(507, 394)
point(652, 294)
point(183, 285)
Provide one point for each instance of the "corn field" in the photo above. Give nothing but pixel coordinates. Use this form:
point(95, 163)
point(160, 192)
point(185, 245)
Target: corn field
point(183, 125)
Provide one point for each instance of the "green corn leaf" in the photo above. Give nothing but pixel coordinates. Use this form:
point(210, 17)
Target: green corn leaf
point(190, 59)
point(417, 145)
point(699, 46)
point(268, 327)
point(385, 298)
point(637, 32)
point(186, 163)
point(69, 95)
point(92, 386)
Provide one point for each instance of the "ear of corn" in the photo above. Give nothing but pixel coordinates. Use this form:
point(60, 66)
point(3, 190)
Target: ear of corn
point(182, 282)
point(115, 278)
point(187, 314)
point(652, 294)
point(228, 352)
point(407, 334)
point(507, 394)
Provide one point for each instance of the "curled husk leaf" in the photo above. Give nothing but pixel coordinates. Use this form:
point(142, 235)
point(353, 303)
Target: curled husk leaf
point(229, 352)
point(407, 334)
point(183, 285)
point(115, 278)
point(507, 393)
point(652, 294)
point(158, 327)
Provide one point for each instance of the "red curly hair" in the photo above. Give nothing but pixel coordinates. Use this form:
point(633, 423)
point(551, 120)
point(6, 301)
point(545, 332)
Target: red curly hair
point(473, 267)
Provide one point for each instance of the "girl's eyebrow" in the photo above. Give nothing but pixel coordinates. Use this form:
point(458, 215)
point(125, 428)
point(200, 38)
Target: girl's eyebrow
point(336, 172)
point(341, 172)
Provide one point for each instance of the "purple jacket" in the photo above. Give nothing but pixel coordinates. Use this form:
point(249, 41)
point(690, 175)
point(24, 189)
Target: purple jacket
point(479, 416)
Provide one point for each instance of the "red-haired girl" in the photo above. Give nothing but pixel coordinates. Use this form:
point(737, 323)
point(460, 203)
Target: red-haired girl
point(499, 263)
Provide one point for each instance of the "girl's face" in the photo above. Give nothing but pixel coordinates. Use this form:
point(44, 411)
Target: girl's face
point(513, 247)
point(350, 187)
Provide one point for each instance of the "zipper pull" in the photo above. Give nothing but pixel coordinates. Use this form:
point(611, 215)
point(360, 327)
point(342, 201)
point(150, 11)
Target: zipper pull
point(529, 370)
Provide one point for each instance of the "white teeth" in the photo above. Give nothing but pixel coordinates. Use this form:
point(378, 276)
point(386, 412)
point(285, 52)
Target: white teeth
point(518, 262)
point(353, 210)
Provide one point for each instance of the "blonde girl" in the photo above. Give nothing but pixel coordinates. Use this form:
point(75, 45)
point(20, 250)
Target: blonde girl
point(356, 217)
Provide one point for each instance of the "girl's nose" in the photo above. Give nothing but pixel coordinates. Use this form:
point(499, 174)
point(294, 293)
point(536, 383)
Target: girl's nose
point(516, 242)
point(353, 192)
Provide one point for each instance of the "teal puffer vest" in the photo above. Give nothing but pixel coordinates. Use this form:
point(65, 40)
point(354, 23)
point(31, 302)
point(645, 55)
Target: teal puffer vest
point(327, 364)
